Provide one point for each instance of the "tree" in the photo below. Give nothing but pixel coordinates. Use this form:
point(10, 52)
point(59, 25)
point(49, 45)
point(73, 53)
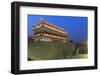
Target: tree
point(76, 49)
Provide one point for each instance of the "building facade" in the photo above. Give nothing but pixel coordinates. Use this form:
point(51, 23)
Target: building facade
point(45, 31)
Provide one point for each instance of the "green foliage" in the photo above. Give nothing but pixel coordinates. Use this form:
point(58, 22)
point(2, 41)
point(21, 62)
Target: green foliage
point(83, 49)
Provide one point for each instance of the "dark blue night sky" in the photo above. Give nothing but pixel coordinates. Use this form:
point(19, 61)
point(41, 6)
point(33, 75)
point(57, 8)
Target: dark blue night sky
point(76, 26)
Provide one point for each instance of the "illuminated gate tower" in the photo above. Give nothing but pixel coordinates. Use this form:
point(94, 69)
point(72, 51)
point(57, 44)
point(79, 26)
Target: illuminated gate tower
point(45, 31)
